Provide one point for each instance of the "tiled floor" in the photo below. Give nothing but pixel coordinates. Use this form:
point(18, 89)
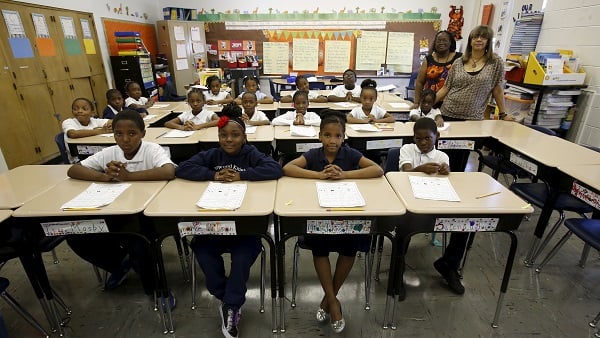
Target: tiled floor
point(559, 302)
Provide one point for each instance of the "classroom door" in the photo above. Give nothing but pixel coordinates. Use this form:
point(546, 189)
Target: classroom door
point(69, 29)
point(47, 43)
point(99, 88)
point(62, 98)
point(17, 39)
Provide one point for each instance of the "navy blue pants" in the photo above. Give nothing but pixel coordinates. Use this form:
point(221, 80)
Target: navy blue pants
point(231, 289)
point(456, 248)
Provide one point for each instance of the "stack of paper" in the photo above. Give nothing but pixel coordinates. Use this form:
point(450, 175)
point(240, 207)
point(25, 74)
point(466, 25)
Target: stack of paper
point(346, 104)
point(250, 129)
point(149, 117)
point(400, 105)
point(363, 127)
point(160, 105)
point(96, 196)
point(303, 131)
point(339, 194)
point(219, 196)
point(176, 133)
point(106, 135)
point(433, 188)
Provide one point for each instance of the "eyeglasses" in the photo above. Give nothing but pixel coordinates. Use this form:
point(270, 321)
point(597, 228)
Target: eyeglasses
point(349, 76)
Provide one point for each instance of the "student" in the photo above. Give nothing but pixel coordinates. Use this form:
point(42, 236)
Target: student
point(115, 104)
point(82, 124)
point(214, 95)
point(132, 159)
point(251, 85)
point(234, 160)
point(135, 100)
point(348, 91)
point(426, 109)
point(251, 116)
point(333, 161)
point(302, 85)
point(368, 112)
point(423, 157)
point(194, 119)
point(299, 116)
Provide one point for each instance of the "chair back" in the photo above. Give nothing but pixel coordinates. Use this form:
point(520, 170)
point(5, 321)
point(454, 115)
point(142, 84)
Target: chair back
point(411, 86)
point(542, 129)
point(60, 143)
point(391, 162)
point(316, 86)
point(274, 93)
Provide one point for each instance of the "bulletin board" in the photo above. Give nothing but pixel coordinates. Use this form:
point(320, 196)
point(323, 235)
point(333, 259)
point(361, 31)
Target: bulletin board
point(328, 48)
point(146, 31)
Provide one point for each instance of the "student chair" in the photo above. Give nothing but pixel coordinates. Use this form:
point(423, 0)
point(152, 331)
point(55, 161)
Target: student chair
point(301, 244)
point(4, 283)
point(593, 324)
point(193, 264)
point(316, 85)
point(411, 86)
point(60, 143)
point(276, 95)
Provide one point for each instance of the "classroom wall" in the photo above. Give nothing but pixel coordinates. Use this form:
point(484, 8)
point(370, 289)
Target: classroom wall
point(573, 24)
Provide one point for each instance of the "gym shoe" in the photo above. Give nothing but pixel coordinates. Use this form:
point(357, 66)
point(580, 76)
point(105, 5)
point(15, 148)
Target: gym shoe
point(230, 318)
point(118, 277)
point(171, 302)
point(450, 275)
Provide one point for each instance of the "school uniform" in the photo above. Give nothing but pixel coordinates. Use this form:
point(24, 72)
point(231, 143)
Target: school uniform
point(433, 113)
point(203, 116)
point(259, 95)
point(310, 119)
point(259, 116)
point(109, 112)
point(347, 158)
point(109, 251)
point(222, 95)
point(141, 101)
point(73, 124)
point(376, 111)
point(410, 153)
point(252, 166)
point(341, 91)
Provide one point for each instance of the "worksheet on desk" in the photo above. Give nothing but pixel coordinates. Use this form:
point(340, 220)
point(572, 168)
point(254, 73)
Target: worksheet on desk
point(176, 133)
point(339, 194)
point(222, 196)
point(303, 131)
point(433, 188)
point(96, 195)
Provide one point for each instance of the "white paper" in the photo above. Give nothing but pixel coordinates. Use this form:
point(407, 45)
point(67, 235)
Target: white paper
point(339, 194)
point(181, 51)
point(364, 127)
point(149, 117)
point(195, 33)
point(401, 105)
point(85, 27)
point(68, 27)
point(386, 88)
point(13, 24)
point(96, 195)
point(160, 105)
point(303, 131)
point(106, 135)
point(250, 129)
point(179, 33)
point(197, 47)
point(176, 133)
point(41, 27)
point(181, 64)
point(346, 104)
point(433, 188)
point(444, 127)
point(222, 196)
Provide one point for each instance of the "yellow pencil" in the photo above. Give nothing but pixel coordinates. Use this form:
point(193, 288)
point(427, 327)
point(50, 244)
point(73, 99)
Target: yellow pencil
point(487, 195)
point(345, 209)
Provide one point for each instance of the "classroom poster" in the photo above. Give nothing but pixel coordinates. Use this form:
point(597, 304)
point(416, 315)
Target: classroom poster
point(337, 56)
point(306, 54)
point(179, 33)
point(90, 46)
point(276, 57)
point(400, 47)
point(68, 27)
point(195, 33)
point(14, 24)
point(40, 25)
point(370, 50)
point(85, 27)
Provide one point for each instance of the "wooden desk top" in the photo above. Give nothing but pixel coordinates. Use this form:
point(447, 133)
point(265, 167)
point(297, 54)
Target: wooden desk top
point(311, 106)
point(151, 136)
point(133, 200)
point(169, 106)
point(283, 133)
point(324, 92)
point(21, 184)
point(588, 174)
point(179, 198)
point(302, 192)
point(468, 186)
point(261, 106)
point(157, 115)
point(4, 215)
point(400, 130)
point(465, 129)
point(263, 134)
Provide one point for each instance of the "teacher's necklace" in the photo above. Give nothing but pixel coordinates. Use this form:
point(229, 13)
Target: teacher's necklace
point(474, 65)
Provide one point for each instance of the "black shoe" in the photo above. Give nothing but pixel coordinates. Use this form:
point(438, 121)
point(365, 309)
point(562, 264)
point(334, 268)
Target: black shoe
point(450, 275)
point(230, 319)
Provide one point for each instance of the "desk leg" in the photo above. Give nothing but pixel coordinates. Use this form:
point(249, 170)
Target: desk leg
point(541, 226)
point(163, 289)
point(273, 261)
point(29, 267)
point(506, 277)
point(395, 276)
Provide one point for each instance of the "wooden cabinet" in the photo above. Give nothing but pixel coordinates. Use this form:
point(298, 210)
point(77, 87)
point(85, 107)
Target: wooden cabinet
point(99, 88)
point(182, 69)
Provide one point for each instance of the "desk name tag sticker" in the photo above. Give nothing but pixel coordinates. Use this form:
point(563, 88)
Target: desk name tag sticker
point(304, 147)
point(222, 228)
point(466, 224)
point(338, 227)
point(384, 144)
point(89, 150)
point(456, 144)
point(588, 196)
point(524, 164)
point(88, 226)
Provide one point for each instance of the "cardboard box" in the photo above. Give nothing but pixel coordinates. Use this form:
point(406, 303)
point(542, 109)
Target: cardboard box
point(535, 74)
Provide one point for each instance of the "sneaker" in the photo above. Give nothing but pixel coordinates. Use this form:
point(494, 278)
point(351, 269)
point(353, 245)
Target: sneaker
point(230, 318)
point(450, 275)
point(171, 302)
point(118, 277)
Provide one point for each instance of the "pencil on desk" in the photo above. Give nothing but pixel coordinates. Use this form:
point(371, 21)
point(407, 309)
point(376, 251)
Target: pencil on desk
point(161, 134)
point(487, 195)
point(345, 209)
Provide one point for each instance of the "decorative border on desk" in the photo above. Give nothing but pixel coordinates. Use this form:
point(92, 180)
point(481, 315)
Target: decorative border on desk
point(338, 227)
point(456, 144)
point(221, 228)
point(88, 226)
point(466, 224)
point(587, 195)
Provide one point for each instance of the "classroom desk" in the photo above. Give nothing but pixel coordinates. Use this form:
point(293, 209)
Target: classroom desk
point(313, 106)
point(285, 143)
point(262, 139)
point(283, 82)
point(268, 108)
point(23, 183)
point(297, 206)
point(583, 181)
point(505, 208)
point(157, 118)
point(384, 139)
point(169, 105)
point(324, 92)
point(176, 203)
point(123, 215)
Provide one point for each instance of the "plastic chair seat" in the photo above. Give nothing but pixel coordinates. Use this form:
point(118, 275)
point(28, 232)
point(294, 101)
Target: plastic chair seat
point(586, 229)
point(3, 284)
point(537, 194)
point(496, 163)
